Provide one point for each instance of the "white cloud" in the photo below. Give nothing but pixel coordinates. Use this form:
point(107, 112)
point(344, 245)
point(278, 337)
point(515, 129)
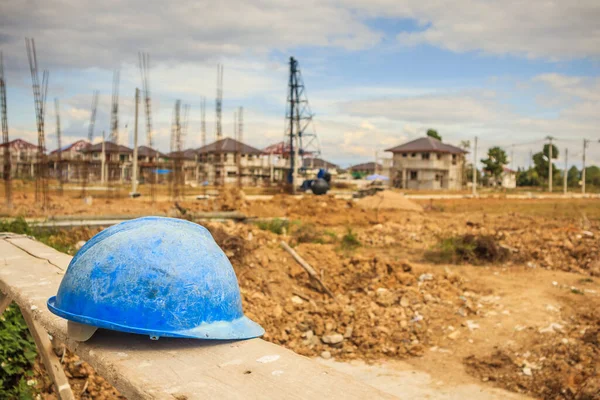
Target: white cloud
point(429, 109)
point(107, 33)
point(535, 28)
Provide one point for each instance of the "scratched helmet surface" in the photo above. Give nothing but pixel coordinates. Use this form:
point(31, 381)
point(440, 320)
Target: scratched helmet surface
point(154, 276)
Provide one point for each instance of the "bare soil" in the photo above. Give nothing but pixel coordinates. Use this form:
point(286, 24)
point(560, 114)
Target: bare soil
point(528, 324)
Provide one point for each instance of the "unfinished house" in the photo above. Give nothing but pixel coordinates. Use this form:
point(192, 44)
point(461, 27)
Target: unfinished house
point(109, 161)
point(189, 164)
point(218, 163)
point(312, 165)
point(278, 159)
point(149, 160)
point(23, 156)
point(427, 164)
point(71, 157)
point(366, 169)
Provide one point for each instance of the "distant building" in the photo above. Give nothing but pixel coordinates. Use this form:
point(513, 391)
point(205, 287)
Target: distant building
point(218, 162)
point(427, 164)
point(117, 161)
point(315, 163)
point(23, 156)
point(147, 155)
point(70, 152)
point(369, 168)
point(509, 178)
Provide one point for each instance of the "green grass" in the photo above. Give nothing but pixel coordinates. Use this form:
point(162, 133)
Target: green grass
point(470, 249)
point(349, 241)
point(275, 225)
point(20, 226)
point(17, 355)
point(17, 349)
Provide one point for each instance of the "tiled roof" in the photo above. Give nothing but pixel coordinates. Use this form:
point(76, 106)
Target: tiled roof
point(109, 147)
point(365, 166)
point(228, 145)
point(426, 144)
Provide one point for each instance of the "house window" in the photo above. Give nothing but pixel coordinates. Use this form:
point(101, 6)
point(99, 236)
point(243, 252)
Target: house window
point(414, 155)
point(413, 175)
point(122, 157)
point(439, 156)
point(425, 156)
point(404, 155)
point(453, 159)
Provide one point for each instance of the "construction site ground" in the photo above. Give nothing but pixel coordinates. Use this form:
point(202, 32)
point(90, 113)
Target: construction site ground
point(515, 315)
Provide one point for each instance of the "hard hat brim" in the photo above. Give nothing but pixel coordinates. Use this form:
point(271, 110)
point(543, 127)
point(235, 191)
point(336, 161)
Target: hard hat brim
point(240, 328)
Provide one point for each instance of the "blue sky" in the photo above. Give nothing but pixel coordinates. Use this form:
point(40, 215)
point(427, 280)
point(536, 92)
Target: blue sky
point(377, 72)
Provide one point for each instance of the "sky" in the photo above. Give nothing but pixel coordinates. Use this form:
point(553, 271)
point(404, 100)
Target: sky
point(378, 73)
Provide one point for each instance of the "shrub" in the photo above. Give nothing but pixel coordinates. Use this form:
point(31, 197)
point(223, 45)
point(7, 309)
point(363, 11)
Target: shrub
point(468, 249)
point(307, 233)
point(275, 225)
point(349, 240)
point(17, 352)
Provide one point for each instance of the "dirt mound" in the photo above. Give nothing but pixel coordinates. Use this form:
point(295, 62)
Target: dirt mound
point(382, 307)
point(231, 199)
point(560, 363)
point(389, 200)
point(325, 210)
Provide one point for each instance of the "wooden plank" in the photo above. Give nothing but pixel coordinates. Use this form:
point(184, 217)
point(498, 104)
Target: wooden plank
point(52, 363)
point(173, 368)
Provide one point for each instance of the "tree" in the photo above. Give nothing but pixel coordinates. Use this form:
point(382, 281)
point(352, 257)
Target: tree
point(469, 173)
point(434, 134)
point(540, 160)
point(573, 177)
point(592, 175)
point(494, 164)
point(528, 177)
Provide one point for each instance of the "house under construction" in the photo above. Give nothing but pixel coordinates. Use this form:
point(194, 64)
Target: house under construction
point(23, 158)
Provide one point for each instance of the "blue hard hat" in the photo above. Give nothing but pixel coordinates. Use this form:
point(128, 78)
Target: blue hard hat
point(154, 276)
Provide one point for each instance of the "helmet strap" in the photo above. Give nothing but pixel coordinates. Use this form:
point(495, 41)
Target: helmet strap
point(80, 332)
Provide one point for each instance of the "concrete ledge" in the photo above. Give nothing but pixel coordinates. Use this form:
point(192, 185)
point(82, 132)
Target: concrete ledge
point(139, 368)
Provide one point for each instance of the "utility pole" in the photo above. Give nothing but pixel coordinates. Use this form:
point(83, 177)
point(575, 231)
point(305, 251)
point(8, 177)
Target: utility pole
point(103, 161)
point(219, 102)
point(566, 170)
point(6, 168)
point(87, 161)
point(585, 144)
point(135, 146)
point(59, 151)
point(240, 133)
point(550, 138)
point(512, 157)
point(203, 159)
point(475, 168)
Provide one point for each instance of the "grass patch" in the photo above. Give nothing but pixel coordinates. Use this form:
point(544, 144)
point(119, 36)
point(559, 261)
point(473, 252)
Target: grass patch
point(18, 353)
point(307, 233)
point(470, 249)
point(349, 241)
point(276, 225)
point(586, 280)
